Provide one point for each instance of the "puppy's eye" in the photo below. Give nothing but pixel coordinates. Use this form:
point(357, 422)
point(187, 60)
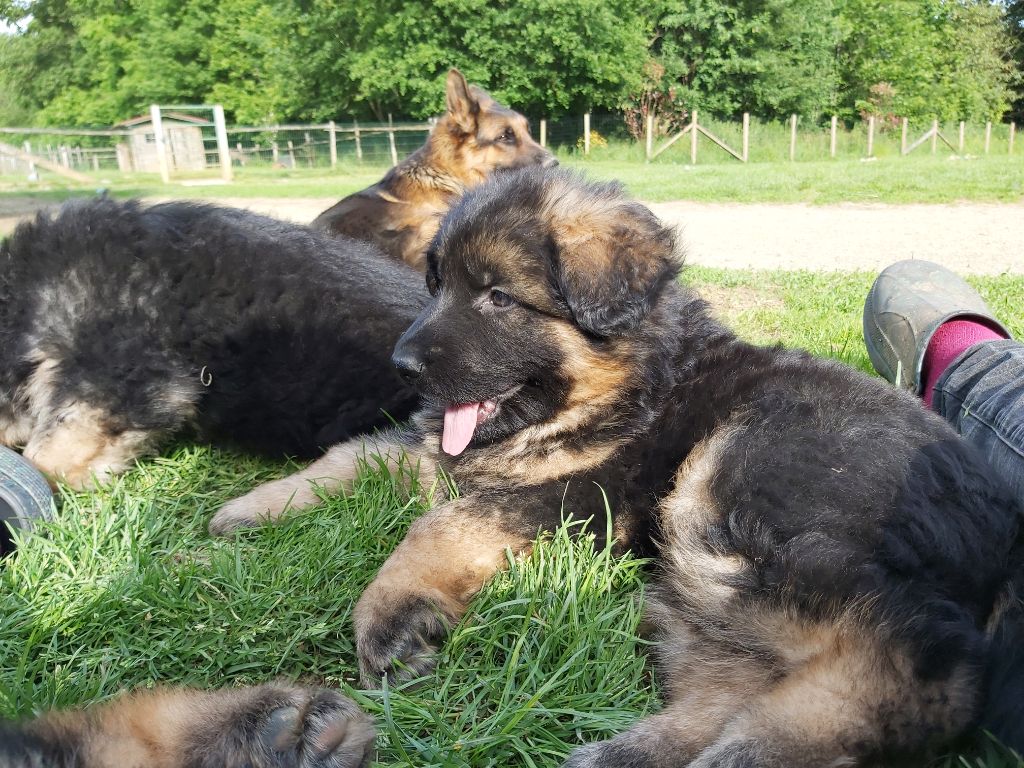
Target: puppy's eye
point(508, 137)
point(433, 283)
point(500, 299)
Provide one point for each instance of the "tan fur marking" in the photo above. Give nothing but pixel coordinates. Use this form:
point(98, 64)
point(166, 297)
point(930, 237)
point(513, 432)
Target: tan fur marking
point(169, 728)
point(15, 428)
point(80, 450)
point(447, 556)
point(830, 710)
point(536, 454)
point(686, 513)
point(333, 472)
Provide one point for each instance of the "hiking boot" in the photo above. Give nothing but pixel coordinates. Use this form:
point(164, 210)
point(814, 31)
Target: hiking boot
point(24, 497)
point(904, 308)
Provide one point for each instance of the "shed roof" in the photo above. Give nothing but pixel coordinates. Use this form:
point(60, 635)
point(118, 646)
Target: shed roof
point(175, 117)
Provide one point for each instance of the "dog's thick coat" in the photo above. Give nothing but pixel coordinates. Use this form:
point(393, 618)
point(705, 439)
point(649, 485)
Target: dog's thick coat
point(840, 573)
point(120, 325)
point(476, 137)
point(268, 726)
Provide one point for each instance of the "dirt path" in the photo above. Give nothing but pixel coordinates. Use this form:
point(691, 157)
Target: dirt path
point(973, 238)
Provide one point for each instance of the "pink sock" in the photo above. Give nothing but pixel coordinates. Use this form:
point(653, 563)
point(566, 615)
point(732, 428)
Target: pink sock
point(945, 346)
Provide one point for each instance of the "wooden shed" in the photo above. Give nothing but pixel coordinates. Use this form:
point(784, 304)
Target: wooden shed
point(185, 148)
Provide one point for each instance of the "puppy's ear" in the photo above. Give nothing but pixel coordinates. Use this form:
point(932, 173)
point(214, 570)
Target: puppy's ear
point(463, 105)
point(613, 259)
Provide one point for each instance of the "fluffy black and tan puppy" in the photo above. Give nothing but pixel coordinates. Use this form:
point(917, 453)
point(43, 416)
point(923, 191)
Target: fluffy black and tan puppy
point(840, 573)
point(120, 325)
point(267, 726)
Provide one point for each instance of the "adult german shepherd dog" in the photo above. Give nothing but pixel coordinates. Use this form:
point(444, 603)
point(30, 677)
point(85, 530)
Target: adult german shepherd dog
point(840, 575)
point(121, 325)
point(400, 213)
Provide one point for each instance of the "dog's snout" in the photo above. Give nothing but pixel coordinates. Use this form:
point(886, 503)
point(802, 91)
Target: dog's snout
point(409, 364)
point(550, 161)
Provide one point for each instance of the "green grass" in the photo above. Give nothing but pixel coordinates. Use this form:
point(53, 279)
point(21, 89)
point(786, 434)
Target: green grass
point(915, 179)
point(126, 588)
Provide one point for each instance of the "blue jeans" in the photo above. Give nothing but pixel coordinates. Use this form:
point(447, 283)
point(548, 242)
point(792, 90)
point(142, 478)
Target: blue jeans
point(982, 395)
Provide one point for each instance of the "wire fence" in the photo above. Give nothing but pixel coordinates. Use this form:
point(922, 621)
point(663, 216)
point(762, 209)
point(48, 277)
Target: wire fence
point(187, 142)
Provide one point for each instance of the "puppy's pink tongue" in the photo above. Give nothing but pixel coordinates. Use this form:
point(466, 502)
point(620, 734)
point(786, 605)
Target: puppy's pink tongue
point(459, 424)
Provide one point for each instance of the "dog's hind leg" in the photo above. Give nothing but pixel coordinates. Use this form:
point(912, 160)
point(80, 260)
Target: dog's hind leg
point(707, 683)
point(854, 704)
point(269, 726)
point(850, 705)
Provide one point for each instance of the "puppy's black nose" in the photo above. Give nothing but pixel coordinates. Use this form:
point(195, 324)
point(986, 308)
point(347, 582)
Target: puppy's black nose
point(409, 365)
point(550, 162)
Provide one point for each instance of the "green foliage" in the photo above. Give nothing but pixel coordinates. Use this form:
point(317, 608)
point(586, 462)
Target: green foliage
point(79, 62)
point(767, 57)
point(545, 56)
point(947, 59)
point(1015, 31)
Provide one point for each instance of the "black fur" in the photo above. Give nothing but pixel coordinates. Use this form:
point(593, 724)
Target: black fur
point(279, 336)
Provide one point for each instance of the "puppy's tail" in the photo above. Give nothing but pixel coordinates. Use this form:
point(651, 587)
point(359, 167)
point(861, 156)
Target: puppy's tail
point(1004, 709)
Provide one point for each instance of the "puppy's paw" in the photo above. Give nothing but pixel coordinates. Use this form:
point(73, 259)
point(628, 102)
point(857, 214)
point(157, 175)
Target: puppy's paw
point(322, 729)
point(264, 504)
point(398, 639)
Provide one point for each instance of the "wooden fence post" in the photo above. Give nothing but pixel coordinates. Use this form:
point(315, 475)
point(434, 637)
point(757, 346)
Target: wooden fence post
point(32, 173)
point(359, 142)
point(693, 138)
point(903, 136)
point(544, 133)
point(961, 144)
point(586, 133)
point(241, 155)
point(649, 135)
point(161, 146)
point(988, 135)
point(391, 141)
point(275, 155)
point(871, 135)
point(223, 150)
point(935, 136)
point(291, 153)
point(307, 146)
point(746, 136)
point(792, 138)
point(832, 136)
point(332, 137)
point(1013, 131)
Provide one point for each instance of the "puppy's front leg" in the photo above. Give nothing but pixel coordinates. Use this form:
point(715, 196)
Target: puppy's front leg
point(426, 584)
point(334, 471)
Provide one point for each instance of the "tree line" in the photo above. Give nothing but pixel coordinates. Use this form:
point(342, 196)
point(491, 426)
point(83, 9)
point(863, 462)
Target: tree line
point(96, 62)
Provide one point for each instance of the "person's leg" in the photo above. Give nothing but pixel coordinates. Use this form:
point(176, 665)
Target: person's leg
point(982, 395)
point(928, 331)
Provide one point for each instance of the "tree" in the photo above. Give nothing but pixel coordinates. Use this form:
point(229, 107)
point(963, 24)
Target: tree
point(546, 57)
point(945, 59)
point(1015, 30)
point(768, 57)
